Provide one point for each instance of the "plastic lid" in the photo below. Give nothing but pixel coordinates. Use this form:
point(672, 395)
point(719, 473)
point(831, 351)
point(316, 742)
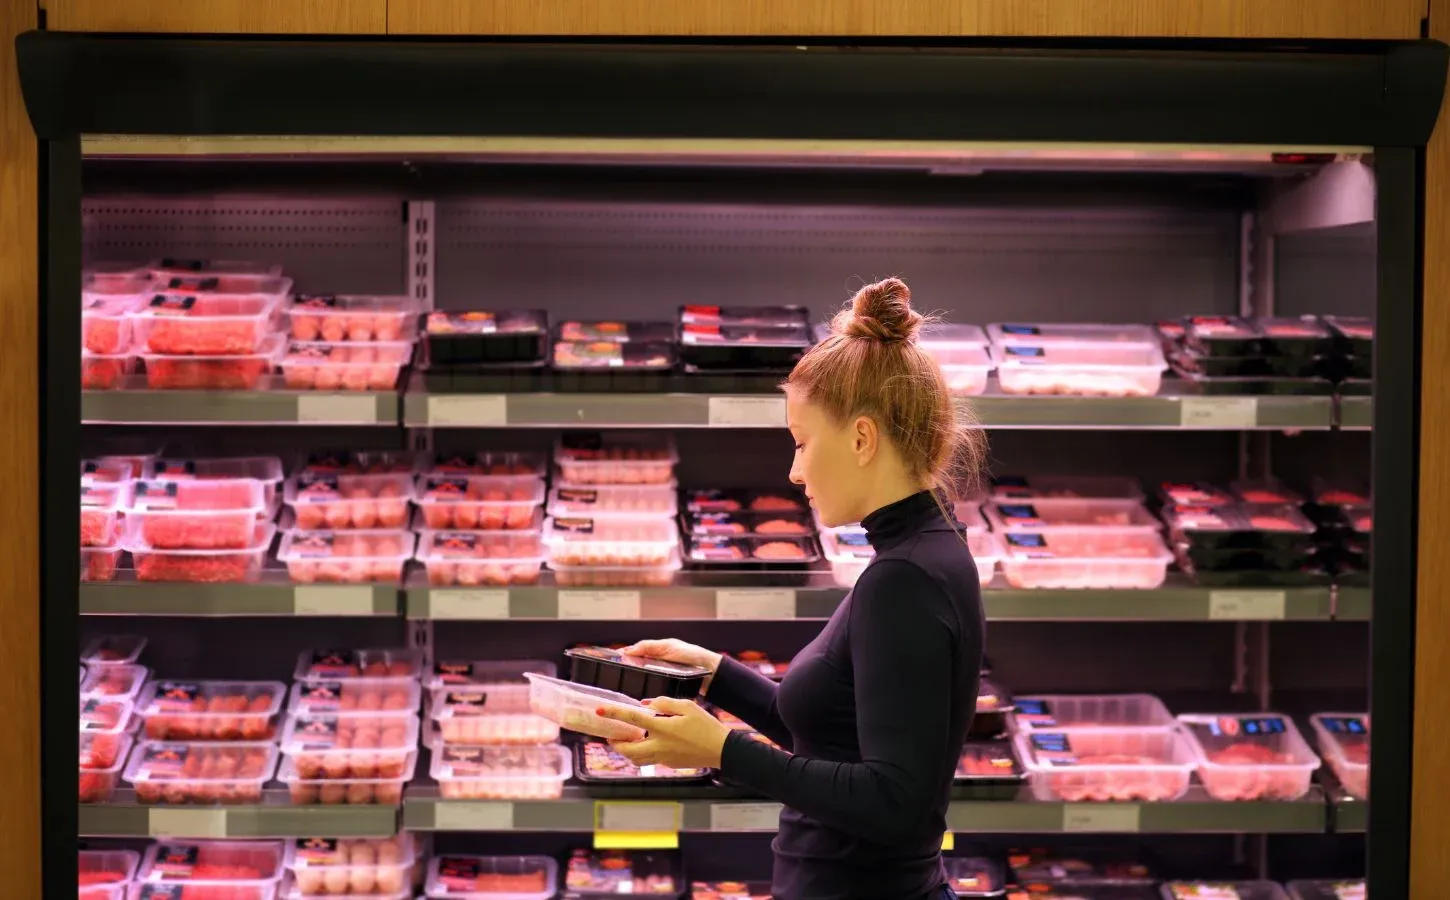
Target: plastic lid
point(340, 664)
point(264, 698)
point(164, 496)
point(359, 462)
point(334, 732)
point(464, 762)
point(360, 544)
point(120, 863)
point(377, 695)
point(485, 673)
point(352, 304)
point(260, 468)
point(498, 464)
point(113, 649)
point(1271, 519)
point(201, 762)
point(459, 877)
point(959, 333)
point(971, 876)
point(615, 331)
point(1022, 487)
point(614, 447)
point(1051, 514)
point(313, 853)
point(1040, 711)
point(220, 862)
point(644, 664)
point(262, 533)
point(603, 500)
point(1265, 491)
point(1080, 332)
point(1262, 740)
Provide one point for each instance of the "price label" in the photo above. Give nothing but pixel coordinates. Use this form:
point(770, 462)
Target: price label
point(468, 410)
point(1100, 817)
point(187, 823)
point(1218, 412)
point(599, 605)
point(1238, 606)
point(473, 815)
point(744, 816)
point(948, 842)
point(337, 409)
point(627, 825)
point(332, 600)
point(755, 603)
point(747, 412)
point(468, 604)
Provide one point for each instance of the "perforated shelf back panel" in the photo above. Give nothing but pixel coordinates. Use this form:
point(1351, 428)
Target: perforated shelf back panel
point(1326, 272)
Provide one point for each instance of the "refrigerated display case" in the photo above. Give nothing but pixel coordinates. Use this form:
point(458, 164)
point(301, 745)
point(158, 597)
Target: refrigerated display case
point(1065, 200)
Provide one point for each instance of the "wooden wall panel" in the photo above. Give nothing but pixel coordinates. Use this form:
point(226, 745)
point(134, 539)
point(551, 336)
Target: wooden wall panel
point(19, 488)
point(219, 16)
point(1075, 18)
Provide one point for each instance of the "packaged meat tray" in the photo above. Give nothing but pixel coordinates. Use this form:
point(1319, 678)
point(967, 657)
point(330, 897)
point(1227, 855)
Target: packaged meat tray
point(730, 890)
point(351, 317)
point(617, 576)
point(111, 471)
point(1081, 866)
point(1327, 492)
point(482, 717)
point(1193, 383)
point(472, 558)
point(486, 337)
point(1264, 492)
point(756, 316)
point(605, 355)
point(241, 371)
point(193, 514)
point(205, 773)
point(643, 541)
point(99, 563)
point(335, 501)
point(116, 682)
point(969, 516)
point(967, 374)
point(1195, 495)
point(1343, 739)
point(243, 272)
point(200, 566)
point(200, 324)
point(1327, 889)
point(1099, 557)
point(1043, 333)
point(747, 524)
point(573, 706)
point(616, 332)
point(970, 876)
point(1255, 757)
point(714, 500)
point(988, 764)
point(715, 347)
point(329, 746)
point(502, 678)
point(1354, 333)
point(752, 552)
point(994, 707)
point(1006, 488)
point(211, 710)
point(353, 695)
point(1103, 891)
point(101, 506)
point(603, 500)
point(849, 553)
point(359, 462)
point(213, 870)
point(346, 556)
point(265, 469)
point(352, 866)
point(455, 877)
point(1126, 370)
point(1051, 712)
point(622, 873)
point(97, 782)
point(1223, 336)
point(374, 665)
point(105, 372)
point(487, 463)
point(595, 458)
point(106, 867)
point(1240, 527)
point(485, 502)
point(1223, 890)
point(1050, 515)
point(1107, 764)
point(113, 650)
point(106, 322)
point(321, 366)
point(353, 791)
point(634, 676)
point(598, 763)
point(1302, 337)
point(105, 720)
point(501, 773)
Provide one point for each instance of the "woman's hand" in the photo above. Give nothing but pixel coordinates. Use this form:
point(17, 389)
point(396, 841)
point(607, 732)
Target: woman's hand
point(677, 651)
point(679, 734)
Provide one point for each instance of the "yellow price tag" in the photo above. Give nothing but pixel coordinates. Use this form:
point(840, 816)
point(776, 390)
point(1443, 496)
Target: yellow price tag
point(948, 842)
point(637, 825)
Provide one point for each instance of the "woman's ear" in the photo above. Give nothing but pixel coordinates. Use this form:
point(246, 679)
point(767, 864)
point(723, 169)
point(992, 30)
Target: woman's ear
point(865, 439)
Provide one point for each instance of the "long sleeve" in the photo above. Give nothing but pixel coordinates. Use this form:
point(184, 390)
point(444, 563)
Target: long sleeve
point(903, 636)
point(749, 696)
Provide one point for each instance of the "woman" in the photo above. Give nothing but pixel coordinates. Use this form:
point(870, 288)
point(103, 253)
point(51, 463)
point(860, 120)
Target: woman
point(873, 713)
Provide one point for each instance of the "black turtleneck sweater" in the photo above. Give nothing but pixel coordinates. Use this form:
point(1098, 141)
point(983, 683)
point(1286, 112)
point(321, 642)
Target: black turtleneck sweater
point(873, 714)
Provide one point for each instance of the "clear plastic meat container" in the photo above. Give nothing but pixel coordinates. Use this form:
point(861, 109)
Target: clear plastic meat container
point(1254, 757)
point(1223, 890)
point(371, 664)
point(106, 372)
point(503, 678)
point(243, 272)
point(216, 514)
point(472, 558)
point(1107, 764)
point(643, 541)
point(206, 773)
point(352, 866)
point(181, 324)
point(574, 706)
point(346, 556)
point(1037, 334)
point(455, 877)
point(335, 501)
point(617, 576)
point(352, 317)
point(1100, 557)
point(120, 682)
point(501, 773)
point(1052, 712)
point(952, 335)
point(1343, 739)
point(486, 502)
point(1326, 889)
point(1051, 515)
point(115, 278)
point(266, 469)
point(97, 782)
point(211, 710)
point(113, 650)
point(104, 720)
point(488, 717)
point(1126, 370)
point(354, 695)
point(595, 458)
point(214, 870)
point(102, 868)
point(330, 746)
point(241, 371)
point(201, 566)
point(101, 507)
point(487, 463)
point(600, 500)
point(353, 791)
point(106, 322)
point(319, 366)
point(970, 876)
point(969, 514)
point(965, 367)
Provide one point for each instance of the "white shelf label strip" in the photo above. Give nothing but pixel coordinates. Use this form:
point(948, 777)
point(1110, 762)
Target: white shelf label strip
point(1245, 605)
point(750, 412)
point(599, 605)
point(472, 815)
point(632, 816)
point(468, 410)
point(468, 604)
point(744, 816)
point(361, 409)
point(1101, 817)
point(187, 823)
point(755, 603)
point(332, 600)
point(1218, 412)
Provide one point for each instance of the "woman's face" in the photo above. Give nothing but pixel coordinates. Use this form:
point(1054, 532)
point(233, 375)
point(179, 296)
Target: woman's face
point(827, 464)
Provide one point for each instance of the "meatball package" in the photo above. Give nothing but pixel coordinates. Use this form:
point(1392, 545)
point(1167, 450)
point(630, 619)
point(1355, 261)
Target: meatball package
point(1250, 757)
point(466, 772)
point(352, 317)
point(205, 773)
point(356, 866)
point(376, 665)
point(456, 877)
point(211, 710)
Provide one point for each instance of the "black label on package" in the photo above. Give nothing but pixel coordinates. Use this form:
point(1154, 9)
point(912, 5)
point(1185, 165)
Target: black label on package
point(450, 488)
point(309, 351)
point(184, 265)
point(578, 495)
point(458, 868)
point(318, 301)
point(175, 860)
point(466, 699)
point(193, 284)
point(172, 304)
point(175, 467)
point(164, 760)
point(319, 483)
point(450, 543)
point(1346, 725)
point(1021, 329)
point(1024, 351)
point(318, 851)
point(316, 732)
point(321, 695)
point(312, 544)
point(453, 671)
point(574, 525)
point(173, 694)
point(586, 441)
point(1035, 541)
point(1018, 511)
point(92, 497)
point(161, 892)
point(158, 494)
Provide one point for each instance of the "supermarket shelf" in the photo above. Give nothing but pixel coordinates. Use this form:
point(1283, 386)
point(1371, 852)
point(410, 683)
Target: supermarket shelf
point(1356, 413)
point(143, 407)
point(126, 818)
point(274, 595)
point(1353, 604)
point(1350, 816)
point(1196, 813)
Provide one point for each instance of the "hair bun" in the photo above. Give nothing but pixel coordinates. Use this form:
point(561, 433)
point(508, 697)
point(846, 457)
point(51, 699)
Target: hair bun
point(882, 312)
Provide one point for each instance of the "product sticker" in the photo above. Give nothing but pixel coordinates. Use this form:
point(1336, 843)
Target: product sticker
point(464, 702)
point(1032, 546)
point(318, 301)
point(161, 892)
point(1248, 726)
point(1054, 749)
point(1021, 329)
point(459, 760)
point(312, 544)
point(321, 695)
point(1035, 712)
point(448, 490)
point(333, 662)
point(574, 525)
point(458, 874)
point(175, 861)
point(456, 543)
point(315, 732)
point(1205, 892)
point(579, 495)
point(1025, 352)
point(1352, 725)
point(172, 304)
point(157, 495)
point(316, 852)
point(184, 265)
point(716, 548)
point(1020, 514)
point(99, 715)
point(175, 695)
point(453, 672)
point(160, 762)
point(194, 284)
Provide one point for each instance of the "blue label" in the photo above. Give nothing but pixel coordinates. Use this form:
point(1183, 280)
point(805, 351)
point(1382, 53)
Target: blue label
point(1017, 512)
point(1274, 725)
point(1027, 540)
point(1016, 481)
point(1024, 351)
point(1031, 707)
point(1354, 726)
point(1021, 329)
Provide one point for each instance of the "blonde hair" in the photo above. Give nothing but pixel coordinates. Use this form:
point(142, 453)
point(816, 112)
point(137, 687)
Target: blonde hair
point(872, 366)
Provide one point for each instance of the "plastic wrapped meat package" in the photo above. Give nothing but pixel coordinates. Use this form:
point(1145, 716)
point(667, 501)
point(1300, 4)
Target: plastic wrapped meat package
point(1010, 488)
point(371, 664)
point(1254, 757)
point(199, 316)
point(458, 877)
point(715, 500)
point(193, 514)
point(101, 507)
point(990, 762)
point(350, 745)
point(486, 717)
point(204, 773)
point(1240, 526)
point(1094, 370)
point(315, 365)
point(601, 500)
point(106, 321)
point(634, 676)
point(1223, 890)
point(472, 558)
point(351, 695)
point(1223, 336)
point(339, 500)
point(1265, 492)
point(1100, 765)
point(622, 873)
point(113, 650)
point(1050, 712)
point(351, 317)
point(104, 868)
point(214, 870)
point(607, 355)
point(345, 556)
point(241, 371)
point(352, 866)
point(1091, 557)
point(970, 876)
point(486, 337)
point(117, 682)
point(465, 772)
point(747, 524)
point(595, 458)
point(752, 551)
point(201, 566)
point(574, 706)
point(266, 469)
point(377, 789)
point(642, 541)
point(1048, 515)
point(485, 502)
point(105, 372)
point(729, 346)
point(1343, 739)
point(104, 745)
point(210, 710)
point(601, 764)
point(1327, 889)
point(234, 274)
point(730, 890)
point(755, 316)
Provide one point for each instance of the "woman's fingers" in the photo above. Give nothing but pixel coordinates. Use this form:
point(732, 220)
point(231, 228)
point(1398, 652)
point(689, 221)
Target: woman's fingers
point(640, 718)
point(641, 753)
point(672, 706)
